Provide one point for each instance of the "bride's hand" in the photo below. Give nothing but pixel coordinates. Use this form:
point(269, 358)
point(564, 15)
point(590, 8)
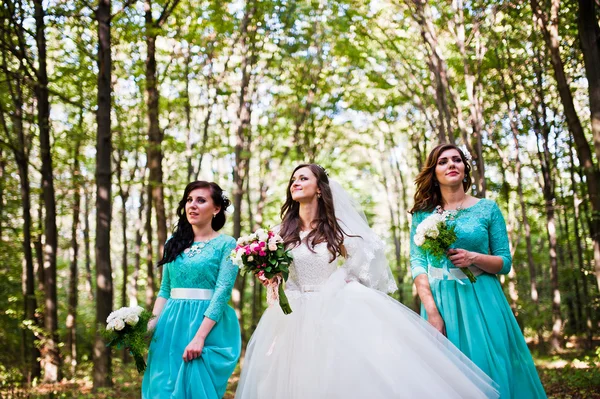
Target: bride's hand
point(436, 321)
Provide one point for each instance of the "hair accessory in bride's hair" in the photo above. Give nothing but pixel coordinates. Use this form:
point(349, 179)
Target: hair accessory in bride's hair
point(466, 153)
point(323, 169)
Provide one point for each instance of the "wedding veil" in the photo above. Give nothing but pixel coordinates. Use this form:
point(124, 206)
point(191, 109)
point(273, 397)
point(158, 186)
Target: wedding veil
point(366, 258)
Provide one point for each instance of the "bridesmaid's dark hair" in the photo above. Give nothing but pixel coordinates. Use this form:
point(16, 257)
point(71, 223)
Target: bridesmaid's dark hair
point(183, 235)
point(327, 229)
point(428, 194)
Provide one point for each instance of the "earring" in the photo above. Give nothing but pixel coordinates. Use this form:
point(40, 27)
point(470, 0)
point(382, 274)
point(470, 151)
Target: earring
point(214, 215)
point(465, 179)
point(435, 183)
point(318, 195)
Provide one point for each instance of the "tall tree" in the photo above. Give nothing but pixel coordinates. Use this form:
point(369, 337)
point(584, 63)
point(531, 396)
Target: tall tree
point(51, 353)
point(548, 25)
point(155, 134)
point(104, 285)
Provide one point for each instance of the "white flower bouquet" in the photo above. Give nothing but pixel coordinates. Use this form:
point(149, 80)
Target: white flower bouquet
point(126, 328)
point(436, 236)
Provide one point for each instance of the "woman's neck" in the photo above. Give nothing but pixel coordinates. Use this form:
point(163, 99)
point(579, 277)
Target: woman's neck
point(308, 214)
point(203, 233)
point(452, 196)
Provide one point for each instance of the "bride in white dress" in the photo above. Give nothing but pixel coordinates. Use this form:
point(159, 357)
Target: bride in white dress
point(345, 337)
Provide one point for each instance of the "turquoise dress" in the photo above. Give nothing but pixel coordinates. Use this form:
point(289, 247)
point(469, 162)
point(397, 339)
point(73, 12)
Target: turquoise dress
point(477, 316)
point(205, 266)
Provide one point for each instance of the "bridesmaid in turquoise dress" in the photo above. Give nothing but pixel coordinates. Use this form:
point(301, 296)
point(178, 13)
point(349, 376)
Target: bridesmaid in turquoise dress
point(476, 316)
point(196, 342)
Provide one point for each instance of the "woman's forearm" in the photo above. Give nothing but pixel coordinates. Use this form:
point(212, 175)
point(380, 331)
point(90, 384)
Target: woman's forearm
point(424, 291)
point(205, 327)
point(159, 304)
point(488, 263)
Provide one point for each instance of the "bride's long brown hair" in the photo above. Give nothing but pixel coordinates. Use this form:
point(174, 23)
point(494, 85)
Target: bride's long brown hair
point(327, 228)
point(428, 194)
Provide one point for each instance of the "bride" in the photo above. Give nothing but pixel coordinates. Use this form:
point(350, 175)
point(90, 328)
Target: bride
point(345, 337)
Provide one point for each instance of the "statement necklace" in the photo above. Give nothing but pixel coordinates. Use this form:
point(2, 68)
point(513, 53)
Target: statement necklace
point(452, 213)
point(197, 247)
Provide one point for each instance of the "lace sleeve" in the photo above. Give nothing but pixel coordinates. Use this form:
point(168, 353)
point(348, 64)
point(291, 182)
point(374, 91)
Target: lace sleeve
point(225, 280)
point(165, 285)
point(418, 257)
point(367, 263)
point(498, 237)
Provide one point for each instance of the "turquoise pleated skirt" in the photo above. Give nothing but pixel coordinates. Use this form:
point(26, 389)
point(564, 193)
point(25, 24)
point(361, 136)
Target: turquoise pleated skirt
point(168, 376)
point(480, 323)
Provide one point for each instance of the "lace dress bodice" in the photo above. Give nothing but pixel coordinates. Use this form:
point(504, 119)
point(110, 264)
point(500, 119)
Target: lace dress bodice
point(310, 270)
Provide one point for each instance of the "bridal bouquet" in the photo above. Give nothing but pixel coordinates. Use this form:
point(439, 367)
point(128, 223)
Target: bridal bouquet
point(126, 328)
point(435, 235)
point(263, 253)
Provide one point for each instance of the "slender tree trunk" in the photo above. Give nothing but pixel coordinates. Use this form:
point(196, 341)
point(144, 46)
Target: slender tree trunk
point(550, 33)
point(150, 283)
point(549, 199)
point(51, 353)
point(155, 134)
point(580, 250)
point(71, 322)
point(89, 285)
point(589, 37)
point(243, 120)
point(29, 300)
point(139, 233)
point(102, 374)
point(513, 121)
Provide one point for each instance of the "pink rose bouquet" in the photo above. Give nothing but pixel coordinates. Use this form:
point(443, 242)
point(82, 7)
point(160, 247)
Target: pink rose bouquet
point(263, 253)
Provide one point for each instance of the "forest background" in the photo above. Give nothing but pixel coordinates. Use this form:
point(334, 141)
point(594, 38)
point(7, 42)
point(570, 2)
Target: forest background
point(108, 109)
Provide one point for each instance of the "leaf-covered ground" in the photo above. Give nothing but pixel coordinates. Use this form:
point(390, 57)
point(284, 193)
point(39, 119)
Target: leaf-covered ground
point(574, 374)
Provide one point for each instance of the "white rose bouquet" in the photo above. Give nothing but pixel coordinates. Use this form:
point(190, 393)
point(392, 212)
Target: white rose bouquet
point(435, 235)
point(126, 328)
point(263, 253)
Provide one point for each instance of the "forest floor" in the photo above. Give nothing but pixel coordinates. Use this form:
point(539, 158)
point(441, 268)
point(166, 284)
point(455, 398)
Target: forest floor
point(573, 374)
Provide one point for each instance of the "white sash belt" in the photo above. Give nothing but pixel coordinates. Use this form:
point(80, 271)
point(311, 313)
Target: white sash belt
point(310, 288)
point(191, 293)
point(440, 273)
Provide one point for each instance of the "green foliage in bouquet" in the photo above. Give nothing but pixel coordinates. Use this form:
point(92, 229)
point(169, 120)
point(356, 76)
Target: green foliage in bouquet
point(132, 336)
point(439, 246)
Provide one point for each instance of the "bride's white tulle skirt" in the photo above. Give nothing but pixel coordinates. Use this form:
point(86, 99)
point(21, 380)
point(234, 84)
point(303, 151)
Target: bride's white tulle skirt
point(349, 341)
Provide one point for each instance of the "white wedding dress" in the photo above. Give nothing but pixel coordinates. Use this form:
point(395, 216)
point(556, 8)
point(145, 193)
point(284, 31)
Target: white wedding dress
point(347, 339)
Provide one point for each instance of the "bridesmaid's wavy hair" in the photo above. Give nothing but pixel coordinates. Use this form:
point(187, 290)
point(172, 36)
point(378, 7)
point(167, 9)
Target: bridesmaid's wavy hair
point(428, 194)
point(327, 229)
point(183, 235)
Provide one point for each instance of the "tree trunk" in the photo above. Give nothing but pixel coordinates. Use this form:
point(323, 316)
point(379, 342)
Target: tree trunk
point(33, 369)
point(549, 199)
point(150, 284)
point(243, 120)
point(589, 37)
point(51, 353)
point(139, 232)
point(89, 285)
point(155, 134)
point(71, 322)
point(102, 374)
point(580, 250)
point(584, 153)
point(513, 121)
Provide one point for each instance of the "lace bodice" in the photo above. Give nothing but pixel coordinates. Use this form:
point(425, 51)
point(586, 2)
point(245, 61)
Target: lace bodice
point(206, 266)
point(310, 269)
point(479, 228)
